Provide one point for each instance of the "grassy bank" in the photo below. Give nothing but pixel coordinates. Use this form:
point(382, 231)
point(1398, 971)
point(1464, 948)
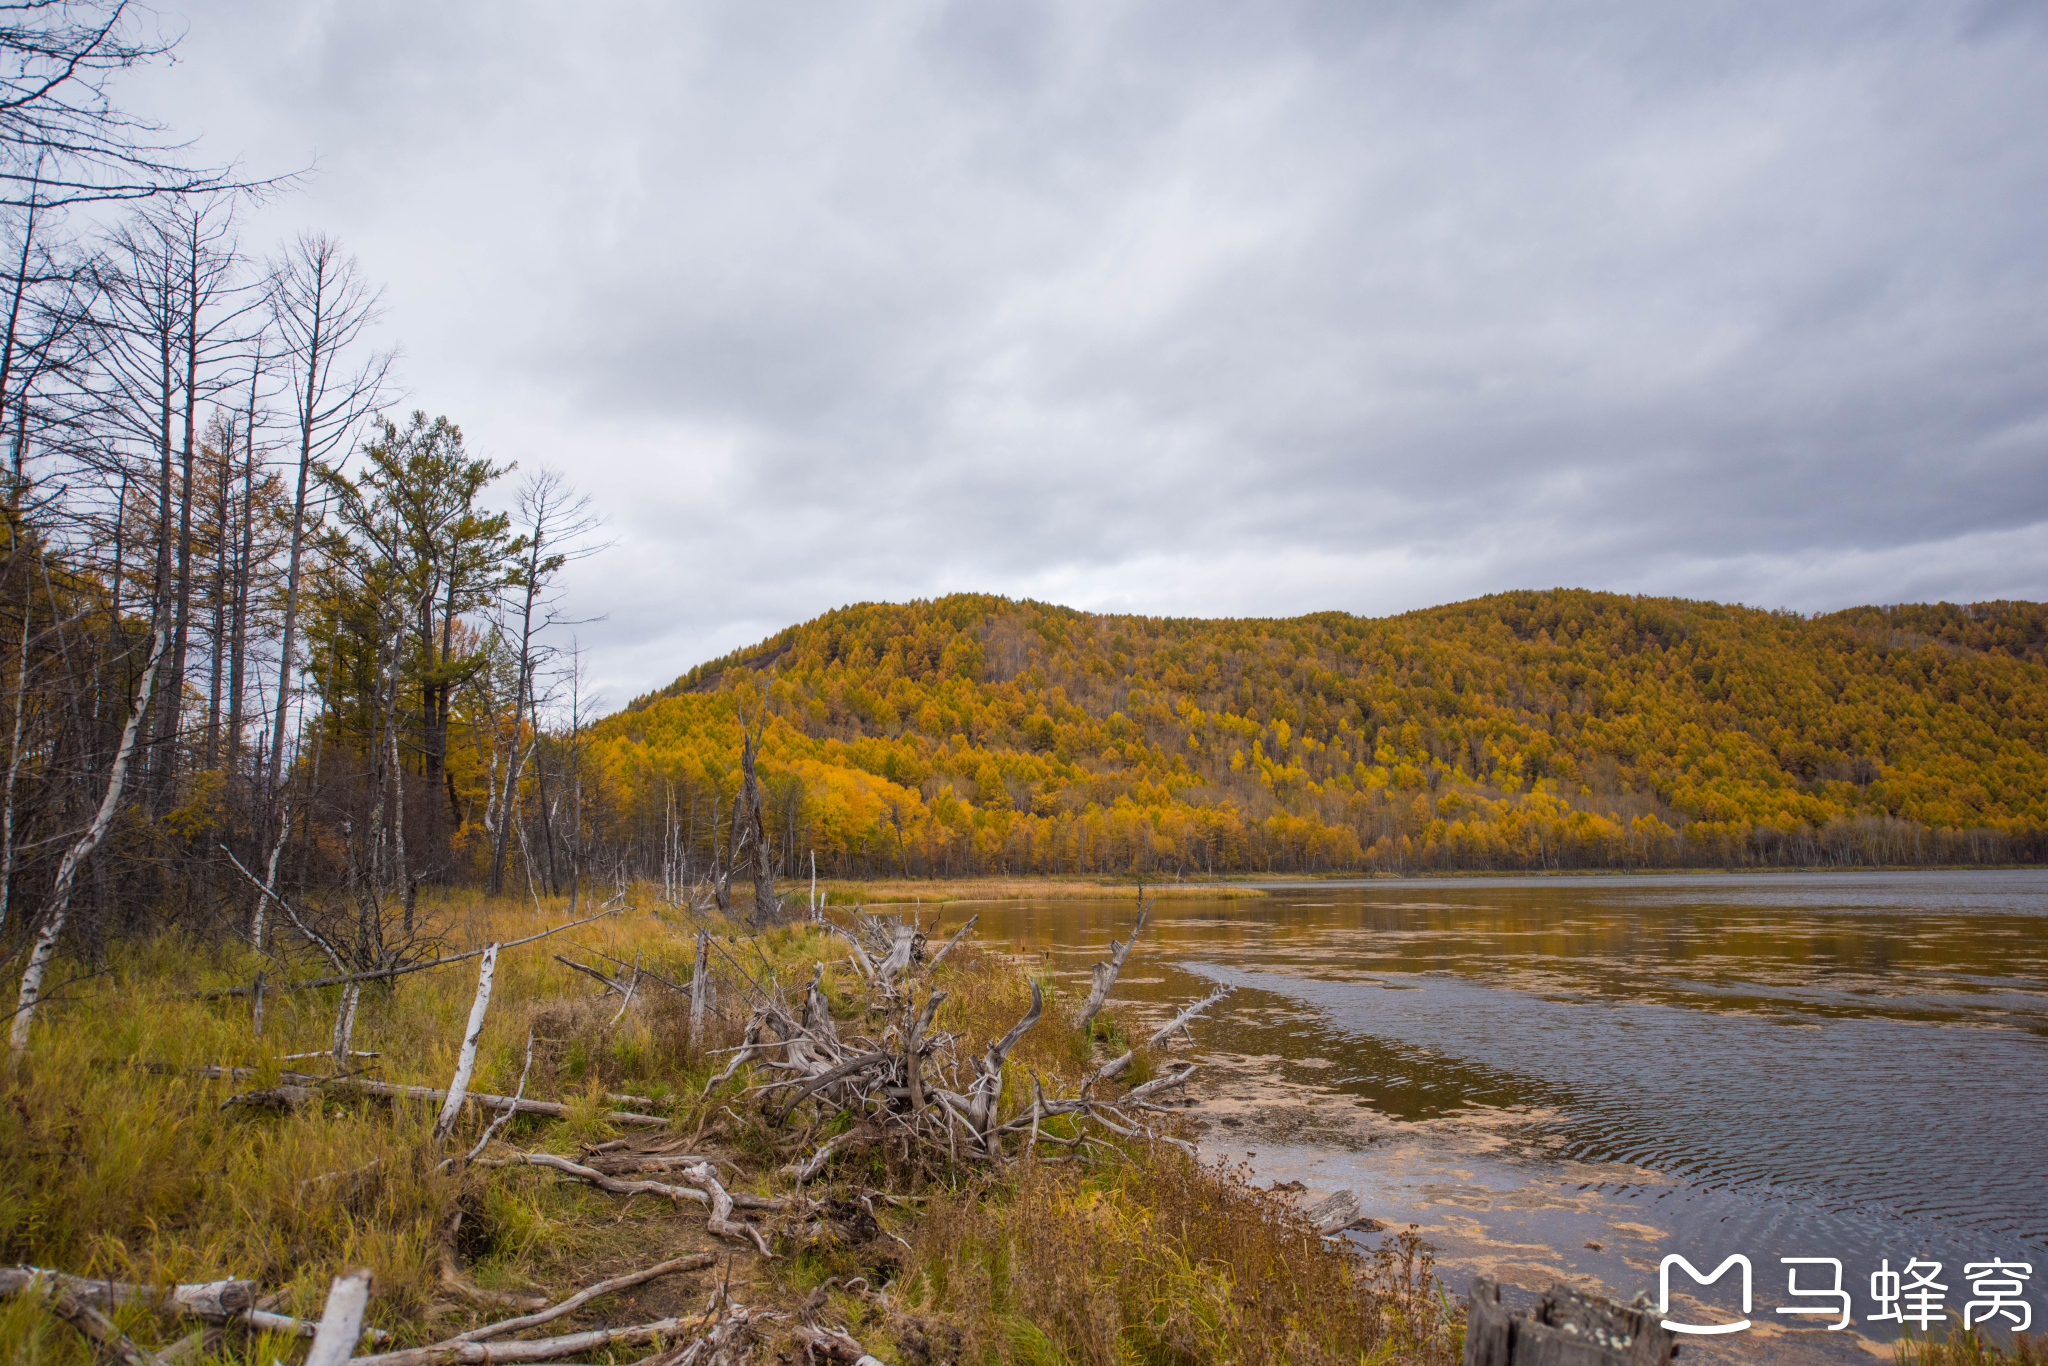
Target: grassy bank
point(122, 1161)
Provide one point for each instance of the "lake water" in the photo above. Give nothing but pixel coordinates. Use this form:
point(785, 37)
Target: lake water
point(1568, 1078)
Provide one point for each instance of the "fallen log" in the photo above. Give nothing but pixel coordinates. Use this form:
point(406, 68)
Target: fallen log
point(528, 1349)
point(214, 1302)
point(73, 1309)
point(421, 1356)
point(488, 1101)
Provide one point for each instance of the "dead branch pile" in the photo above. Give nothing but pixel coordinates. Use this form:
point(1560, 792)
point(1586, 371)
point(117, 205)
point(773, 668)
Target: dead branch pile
point(927, 1090)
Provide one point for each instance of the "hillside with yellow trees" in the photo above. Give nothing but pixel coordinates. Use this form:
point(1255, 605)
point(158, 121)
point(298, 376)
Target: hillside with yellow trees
point(1531, 730)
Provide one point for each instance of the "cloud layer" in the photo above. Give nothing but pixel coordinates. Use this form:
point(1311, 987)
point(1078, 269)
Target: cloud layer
point(1197, 309)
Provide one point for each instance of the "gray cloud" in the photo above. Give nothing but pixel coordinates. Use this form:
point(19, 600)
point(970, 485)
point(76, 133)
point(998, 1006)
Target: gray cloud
point(1198, 308)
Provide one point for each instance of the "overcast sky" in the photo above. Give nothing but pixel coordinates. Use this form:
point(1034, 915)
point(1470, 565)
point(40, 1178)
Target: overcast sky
point(1191, 308)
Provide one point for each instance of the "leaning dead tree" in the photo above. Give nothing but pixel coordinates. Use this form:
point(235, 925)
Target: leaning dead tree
point(1105, 974)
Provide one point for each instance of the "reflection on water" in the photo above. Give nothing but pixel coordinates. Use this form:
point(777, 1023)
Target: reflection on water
point(1852, 1065)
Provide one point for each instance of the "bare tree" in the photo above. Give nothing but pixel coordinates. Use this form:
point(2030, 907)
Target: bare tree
point(321, 306)
point(558, 523)
point(62, 141)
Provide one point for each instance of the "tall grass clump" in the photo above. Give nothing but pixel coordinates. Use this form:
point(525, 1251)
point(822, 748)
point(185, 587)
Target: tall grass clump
point(1158, 1258)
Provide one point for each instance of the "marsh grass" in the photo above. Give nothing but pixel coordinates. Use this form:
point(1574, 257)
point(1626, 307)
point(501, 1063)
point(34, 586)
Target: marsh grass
point(119, 1161)
point(1157, 1258)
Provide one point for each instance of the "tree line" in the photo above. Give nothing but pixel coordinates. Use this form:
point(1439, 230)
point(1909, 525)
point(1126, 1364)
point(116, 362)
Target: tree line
point(1524, 731)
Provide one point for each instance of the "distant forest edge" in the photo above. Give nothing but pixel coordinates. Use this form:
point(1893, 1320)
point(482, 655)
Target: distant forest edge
point(1524, 731)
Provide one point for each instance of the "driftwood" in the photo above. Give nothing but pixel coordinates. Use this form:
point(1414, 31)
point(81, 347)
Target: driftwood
point(341, 1322)
point(1337, 1212)
point(1105, 974)
point(911, 1086)
point(532, 1349)
point(213, 1301)
point(449, 1349)
point(726, 1342)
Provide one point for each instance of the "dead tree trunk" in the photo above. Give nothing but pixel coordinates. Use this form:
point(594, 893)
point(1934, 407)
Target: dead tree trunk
point(67, 871)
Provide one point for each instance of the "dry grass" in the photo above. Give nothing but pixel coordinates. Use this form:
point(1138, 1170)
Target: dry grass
point(118, 1170)
point(1970, 1349)
point(114, 1170)
point(1159, 1259)
point(939, 890)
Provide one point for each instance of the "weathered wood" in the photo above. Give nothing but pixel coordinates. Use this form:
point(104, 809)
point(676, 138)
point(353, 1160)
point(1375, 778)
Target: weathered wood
point(699, 978)
point(451, 1107)
point(1567, 1329)
point(958, 935)
point(537, 1349)
point(341, 1321)
point(213, 1301)
point(553, 1109)
point(1117, 1066)
point(904, 941)
point(830, 1344)
point(1105, 974)
point(1335, 1212)
point(423, 1356)
point(703, 1187)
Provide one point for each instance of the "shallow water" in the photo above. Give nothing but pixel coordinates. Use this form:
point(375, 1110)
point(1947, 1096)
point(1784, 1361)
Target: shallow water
point(1845, 1065)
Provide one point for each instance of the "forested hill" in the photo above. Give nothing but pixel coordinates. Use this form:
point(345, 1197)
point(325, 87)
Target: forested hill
point(1525, 730)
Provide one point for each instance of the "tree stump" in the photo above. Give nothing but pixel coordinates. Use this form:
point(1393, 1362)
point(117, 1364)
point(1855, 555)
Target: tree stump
point(1568, 1329)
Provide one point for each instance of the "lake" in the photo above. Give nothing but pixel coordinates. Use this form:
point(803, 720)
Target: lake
point(1569, 1078)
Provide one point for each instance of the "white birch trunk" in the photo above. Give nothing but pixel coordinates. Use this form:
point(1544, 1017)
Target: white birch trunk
point(67, 871)
point(13, 767)
point(284, 830)
point(466, 1063)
